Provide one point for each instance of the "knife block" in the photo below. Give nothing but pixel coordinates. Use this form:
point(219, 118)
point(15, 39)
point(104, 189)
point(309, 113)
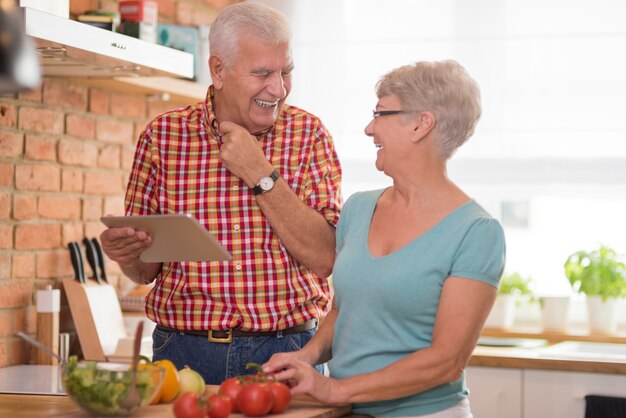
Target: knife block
point(48, 308)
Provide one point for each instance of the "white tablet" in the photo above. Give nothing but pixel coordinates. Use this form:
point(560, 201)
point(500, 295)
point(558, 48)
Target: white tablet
point(174, 237)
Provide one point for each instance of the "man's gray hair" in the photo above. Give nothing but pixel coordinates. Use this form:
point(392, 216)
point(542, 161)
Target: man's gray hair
point(443, 88)
point(246, 18)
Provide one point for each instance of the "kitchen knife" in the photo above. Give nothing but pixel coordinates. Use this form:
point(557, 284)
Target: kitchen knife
point(98, 248)
point(92, 258)
point(77, 261)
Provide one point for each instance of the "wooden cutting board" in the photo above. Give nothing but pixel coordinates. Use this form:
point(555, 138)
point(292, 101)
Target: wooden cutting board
point(97, 316)
point(32, 406)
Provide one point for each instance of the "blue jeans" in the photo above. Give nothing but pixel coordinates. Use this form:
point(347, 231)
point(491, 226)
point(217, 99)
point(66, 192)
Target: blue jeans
point(217, 362)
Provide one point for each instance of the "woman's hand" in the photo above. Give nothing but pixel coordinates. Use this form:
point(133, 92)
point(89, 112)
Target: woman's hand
point(303, 378)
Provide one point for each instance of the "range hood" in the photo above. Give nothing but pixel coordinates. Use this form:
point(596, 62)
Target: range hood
point(75, 49)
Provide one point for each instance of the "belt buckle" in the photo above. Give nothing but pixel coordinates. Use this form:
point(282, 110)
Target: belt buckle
point(227, 340)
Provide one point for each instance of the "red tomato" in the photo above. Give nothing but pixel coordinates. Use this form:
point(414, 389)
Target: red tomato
point(188, 405)
point(220, 406)
point(255, 399)
point(231, 388)
point(282, 396)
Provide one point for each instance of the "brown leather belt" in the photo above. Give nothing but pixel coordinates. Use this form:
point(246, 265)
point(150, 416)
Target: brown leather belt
point(226, 336)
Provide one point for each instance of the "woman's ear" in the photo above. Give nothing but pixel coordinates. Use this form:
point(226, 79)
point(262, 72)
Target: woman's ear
point(422, 125)
point(216, 66)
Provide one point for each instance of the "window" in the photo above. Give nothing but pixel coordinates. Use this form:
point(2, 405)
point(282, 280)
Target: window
point(549, 155)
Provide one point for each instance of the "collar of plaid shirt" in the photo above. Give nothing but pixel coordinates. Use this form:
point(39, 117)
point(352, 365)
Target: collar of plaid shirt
point(262, 287)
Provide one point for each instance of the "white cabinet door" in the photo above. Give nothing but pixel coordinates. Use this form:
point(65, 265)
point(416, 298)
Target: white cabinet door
point(495, 392)
point(549, 394)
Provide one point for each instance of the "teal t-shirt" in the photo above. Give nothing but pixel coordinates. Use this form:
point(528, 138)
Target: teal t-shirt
point(387, 305)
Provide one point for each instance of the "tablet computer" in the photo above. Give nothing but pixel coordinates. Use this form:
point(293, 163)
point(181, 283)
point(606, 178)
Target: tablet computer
point(174, 237)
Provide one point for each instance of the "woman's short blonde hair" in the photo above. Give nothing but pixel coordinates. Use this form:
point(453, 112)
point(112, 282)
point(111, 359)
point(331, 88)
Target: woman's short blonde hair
point(443, 88)
point(246, 18)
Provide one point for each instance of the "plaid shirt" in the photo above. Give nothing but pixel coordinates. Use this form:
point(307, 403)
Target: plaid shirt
point(177, 170)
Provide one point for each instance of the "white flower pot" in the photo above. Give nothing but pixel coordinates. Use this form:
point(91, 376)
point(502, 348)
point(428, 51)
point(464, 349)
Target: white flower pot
point(602, 314)
point(503, 312)
point(554, 313)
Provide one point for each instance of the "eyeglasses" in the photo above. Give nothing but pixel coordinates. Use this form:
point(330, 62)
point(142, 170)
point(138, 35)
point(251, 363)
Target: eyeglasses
point(377, 113)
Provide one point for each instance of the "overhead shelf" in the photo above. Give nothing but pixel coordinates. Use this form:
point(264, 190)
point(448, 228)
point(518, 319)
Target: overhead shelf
point(75, 49)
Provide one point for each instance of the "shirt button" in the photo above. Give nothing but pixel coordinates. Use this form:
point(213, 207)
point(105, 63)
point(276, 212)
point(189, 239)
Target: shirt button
point(238, 267)
point(236, 227)
point(235, 188)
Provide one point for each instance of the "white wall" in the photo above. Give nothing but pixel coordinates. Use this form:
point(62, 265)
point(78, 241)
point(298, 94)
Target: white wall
point(553, 81)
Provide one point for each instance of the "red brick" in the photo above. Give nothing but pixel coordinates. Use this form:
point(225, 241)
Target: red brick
point(58, 92)
point(38, 177)
point(6, 175)
point(112, 130)
point(5, 266)
point(218, 4)
point(7, 115)
point(72, 232)
point(140, 126)
point(128, 156)
point(20, 352)
point(31, 319)
point(103, 182)
point(166, 9)
point(35, 95)
point(37, 236)
point(94, 229)
point(80, 126)
point(19, 320)
point(99, 102)
point(23, 265)
point(59, 207)
point(6, 319)
point(78, 153)
point(81, 6)
point(6, 237)
point(41, 120)
point(128, 105)
point(15, 293)
point(24, 207)
point(5, 205)
point(184, 13)
point(109, 157)
point(114, 205)
point(4, 353)
point(71, 180)
point(41, 148)
point(204, 16)
point(156, 108)
point(11, 144)
point(92, 208)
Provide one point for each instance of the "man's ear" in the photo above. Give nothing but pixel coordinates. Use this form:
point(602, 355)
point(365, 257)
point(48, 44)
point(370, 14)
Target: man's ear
point(216, 66)
point(423, 124)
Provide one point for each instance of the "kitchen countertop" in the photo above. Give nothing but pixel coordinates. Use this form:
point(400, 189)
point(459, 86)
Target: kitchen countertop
point(35, 406)
point(538, 358)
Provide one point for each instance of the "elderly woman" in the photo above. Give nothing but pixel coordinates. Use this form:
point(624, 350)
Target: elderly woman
point(418, 263)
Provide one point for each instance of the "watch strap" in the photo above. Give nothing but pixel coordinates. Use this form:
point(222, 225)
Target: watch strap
point(257, 190)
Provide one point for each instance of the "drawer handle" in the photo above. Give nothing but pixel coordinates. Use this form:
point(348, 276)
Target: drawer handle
point(118, 45)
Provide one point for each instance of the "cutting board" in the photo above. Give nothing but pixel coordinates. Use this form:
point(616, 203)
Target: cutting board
point(32, 406)
point(97, 316)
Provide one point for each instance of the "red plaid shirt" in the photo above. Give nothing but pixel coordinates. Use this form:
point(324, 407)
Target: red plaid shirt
point(177, 170)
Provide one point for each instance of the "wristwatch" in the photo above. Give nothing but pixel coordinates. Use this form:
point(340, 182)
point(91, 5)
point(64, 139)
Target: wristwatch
point(265, 184)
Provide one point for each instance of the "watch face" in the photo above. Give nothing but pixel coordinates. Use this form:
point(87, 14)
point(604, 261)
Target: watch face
point(266, 183)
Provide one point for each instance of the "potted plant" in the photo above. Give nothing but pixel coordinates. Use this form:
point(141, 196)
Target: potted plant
point(601, 276)
point(512, 287)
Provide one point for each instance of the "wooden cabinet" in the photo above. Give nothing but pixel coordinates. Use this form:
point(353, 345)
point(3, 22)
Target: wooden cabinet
point(524, 393)
point(495, 392)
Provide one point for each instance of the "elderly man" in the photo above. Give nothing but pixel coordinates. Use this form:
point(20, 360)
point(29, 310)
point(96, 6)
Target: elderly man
point(260, 175)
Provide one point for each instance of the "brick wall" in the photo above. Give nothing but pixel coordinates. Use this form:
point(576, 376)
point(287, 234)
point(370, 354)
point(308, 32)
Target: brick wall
point(65, 154)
